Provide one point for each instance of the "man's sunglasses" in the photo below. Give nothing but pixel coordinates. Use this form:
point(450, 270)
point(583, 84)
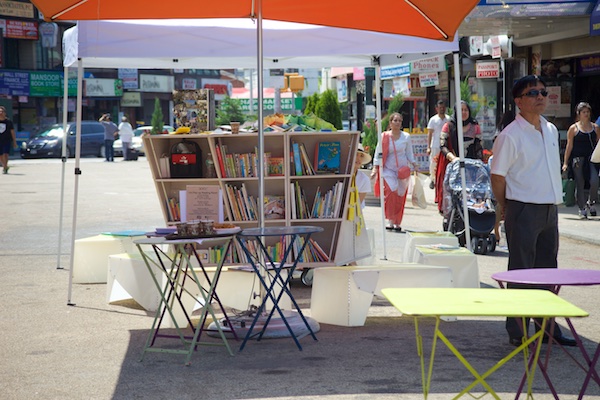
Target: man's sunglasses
point(535, 93)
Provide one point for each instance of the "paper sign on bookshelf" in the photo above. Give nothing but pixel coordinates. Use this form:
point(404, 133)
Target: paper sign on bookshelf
point(204, 202)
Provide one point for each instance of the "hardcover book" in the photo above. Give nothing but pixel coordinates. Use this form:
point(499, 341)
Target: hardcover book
point(327, 158)
point(275, 166)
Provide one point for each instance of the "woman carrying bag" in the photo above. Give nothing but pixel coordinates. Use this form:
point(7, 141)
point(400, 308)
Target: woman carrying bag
point(393, 159)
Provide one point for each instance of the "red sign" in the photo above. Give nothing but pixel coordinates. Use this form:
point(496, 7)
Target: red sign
point(21, 30)
point(183, 159)
point(488, 69)
point(217, 88)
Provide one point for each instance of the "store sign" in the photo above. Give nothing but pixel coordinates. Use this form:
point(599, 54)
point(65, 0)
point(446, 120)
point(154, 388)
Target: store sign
point(157, 83)
point(19, 29)
point(395, 71)
point(268, 104)
point(433, 64)
point(595, 20)
point(131, 99)
point(588, 65)
point(129, 76)
point(103, 87)
point(189, 84)
point(14, 83)
point(45, 84)
point(16, 9)
point(429, 79)
point(488, 69)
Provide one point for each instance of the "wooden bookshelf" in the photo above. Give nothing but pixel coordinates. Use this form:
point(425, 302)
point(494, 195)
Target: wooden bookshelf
point(240, 186)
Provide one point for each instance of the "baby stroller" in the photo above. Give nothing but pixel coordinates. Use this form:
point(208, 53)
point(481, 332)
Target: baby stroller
point(482, 216)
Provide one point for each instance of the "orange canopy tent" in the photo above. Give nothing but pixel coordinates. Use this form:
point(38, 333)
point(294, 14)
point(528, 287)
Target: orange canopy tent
point(432, 19)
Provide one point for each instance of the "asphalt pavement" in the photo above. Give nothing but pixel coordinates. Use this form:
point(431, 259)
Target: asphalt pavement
point(91, 350)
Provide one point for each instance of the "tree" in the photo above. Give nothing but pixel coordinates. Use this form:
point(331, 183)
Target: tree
point(395, 106)
point(311, 104)
point(328, 109)
point(230, 110)
point(157, 118)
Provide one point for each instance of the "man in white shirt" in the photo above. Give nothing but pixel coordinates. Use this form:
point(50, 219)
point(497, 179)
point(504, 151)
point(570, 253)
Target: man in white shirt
point(526, 181)
point(434, 128)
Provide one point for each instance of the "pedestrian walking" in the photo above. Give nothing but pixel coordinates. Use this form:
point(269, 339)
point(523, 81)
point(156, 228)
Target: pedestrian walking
point(126, 135)
point(7, 138)
point(110, 134)
point(434, 129)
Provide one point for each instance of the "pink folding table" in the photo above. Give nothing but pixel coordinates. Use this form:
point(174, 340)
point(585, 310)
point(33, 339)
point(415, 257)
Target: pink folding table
point(553, 279)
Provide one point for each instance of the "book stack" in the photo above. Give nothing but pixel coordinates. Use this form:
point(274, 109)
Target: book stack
point(300, 160)
point(300, 209)
point(243, 207)
point(312, 252)
point(236, 165)
point(173, 209)
point(328, 205)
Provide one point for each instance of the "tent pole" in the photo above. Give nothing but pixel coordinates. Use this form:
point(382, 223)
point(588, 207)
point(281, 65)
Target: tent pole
point(378, 103)
point(461, 151)
point(261, 139)
point(77, 173)
point(64, 163)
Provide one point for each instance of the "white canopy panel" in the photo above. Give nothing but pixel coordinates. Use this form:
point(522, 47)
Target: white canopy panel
point(231, 43)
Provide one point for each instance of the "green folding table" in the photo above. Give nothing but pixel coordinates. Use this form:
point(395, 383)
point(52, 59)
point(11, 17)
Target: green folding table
point(438, 302)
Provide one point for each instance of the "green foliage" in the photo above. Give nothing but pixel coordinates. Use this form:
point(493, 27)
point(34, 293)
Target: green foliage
point(465, 95)
point(329, 109)
point(369, 136)
point(395, 106)
point(311, 103)
point(230, 110)
point(157, 118)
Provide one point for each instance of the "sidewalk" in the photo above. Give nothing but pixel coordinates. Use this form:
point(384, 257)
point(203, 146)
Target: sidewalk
point(91, 350)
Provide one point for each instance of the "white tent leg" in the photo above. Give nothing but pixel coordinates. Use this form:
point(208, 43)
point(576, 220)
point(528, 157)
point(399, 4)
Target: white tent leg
point(461, 151)
point(64, 164)
point(77, 173)
point(380, 156)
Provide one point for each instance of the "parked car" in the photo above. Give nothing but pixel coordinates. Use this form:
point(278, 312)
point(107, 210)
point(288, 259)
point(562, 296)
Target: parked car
point(49, 142)
point(136, 142)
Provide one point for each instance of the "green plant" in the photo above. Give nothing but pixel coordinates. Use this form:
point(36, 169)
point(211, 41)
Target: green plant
point(369, 136)
point(328, 109)
point(230, 110)
point(465, 95)
point(157, 118)
point(395, 106)
point(311, 103)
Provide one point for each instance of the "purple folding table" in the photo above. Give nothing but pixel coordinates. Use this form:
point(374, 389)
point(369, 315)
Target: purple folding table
point(553, 279)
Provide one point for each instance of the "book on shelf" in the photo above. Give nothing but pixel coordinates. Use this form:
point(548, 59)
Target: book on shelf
point(220, 157)
point(274, 207)
point(275, 166)
point(173, 209)
point(242, 206)
point(328, 204)
point(306, 164)
point(327, 157)
point(204, 202)
point(297, 160)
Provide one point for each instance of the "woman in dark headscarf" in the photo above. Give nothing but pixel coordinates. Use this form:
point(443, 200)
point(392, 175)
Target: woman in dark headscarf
point(449, 146)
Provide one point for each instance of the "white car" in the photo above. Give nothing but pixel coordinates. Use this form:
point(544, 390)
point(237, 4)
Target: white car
point(136, 142)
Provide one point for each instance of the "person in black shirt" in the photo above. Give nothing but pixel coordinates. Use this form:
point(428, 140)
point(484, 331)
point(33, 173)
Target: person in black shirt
point(7, 137)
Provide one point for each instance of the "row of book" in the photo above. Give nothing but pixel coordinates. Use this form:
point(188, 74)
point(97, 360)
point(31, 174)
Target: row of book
point(312, 252)
point(173, 208)
point(325, 205)
point(234, 165)
point(325, 161)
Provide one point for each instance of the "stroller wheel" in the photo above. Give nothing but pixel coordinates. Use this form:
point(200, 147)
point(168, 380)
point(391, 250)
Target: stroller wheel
point(479, 245)
point(491, 243)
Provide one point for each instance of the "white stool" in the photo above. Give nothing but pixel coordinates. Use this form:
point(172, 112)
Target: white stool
point(90, 258)
point(342, 295)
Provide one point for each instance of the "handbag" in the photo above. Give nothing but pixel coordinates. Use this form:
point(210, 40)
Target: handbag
point(595, 158)
point(403, 172)
point(418, 193)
